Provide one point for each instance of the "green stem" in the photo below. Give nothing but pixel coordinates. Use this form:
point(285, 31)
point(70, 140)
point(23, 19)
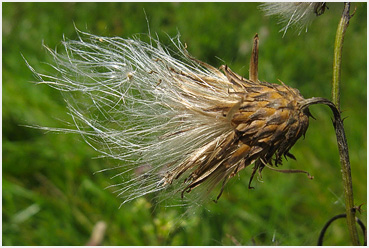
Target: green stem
point(337, 59)
point(341, 138)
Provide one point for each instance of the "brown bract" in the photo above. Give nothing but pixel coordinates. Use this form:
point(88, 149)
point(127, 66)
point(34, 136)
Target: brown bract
point(266, 122)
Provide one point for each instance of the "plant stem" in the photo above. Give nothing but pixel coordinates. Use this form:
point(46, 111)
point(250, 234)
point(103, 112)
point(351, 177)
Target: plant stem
point(254, 60)
point(337, 59)
point(340, 134)
point(347, 181)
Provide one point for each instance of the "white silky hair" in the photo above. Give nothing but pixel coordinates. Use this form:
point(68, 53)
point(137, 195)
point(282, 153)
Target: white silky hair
point(135, 102)
point(298, 14)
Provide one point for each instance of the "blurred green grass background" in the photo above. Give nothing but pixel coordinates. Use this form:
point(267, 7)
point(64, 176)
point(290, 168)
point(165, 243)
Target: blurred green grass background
point(51, 194)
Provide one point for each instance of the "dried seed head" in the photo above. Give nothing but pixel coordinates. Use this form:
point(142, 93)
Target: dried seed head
point(174, 123)
point(267, 121)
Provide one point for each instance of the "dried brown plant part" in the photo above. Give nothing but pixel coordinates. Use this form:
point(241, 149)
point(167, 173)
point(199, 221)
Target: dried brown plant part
point(192, 124)
point(290, 171)
point(98, 233)
point(254, 60)
point(266, 121)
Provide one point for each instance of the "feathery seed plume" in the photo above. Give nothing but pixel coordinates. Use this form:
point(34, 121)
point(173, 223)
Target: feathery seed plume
point(299, 14)
point(177, 124)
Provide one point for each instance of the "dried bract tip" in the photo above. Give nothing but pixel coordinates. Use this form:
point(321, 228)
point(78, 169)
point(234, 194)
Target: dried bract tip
point(175, 124)
point(299, 14)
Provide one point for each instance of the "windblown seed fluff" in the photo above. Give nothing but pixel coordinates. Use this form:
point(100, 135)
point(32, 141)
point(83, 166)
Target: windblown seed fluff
point(298, 14)
point(178, 125)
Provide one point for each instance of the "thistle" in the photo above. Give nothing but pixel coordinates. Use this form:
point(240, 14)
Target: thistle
point(177, 124)
point(299, 14)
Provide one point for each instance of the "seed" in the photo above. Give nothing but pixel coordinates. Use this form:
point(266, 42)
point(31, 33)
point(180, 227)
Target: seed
point(185, 122)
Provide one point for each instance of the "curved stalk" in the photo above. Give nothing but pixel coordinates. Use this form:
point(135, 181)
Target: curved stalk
point(345, 163)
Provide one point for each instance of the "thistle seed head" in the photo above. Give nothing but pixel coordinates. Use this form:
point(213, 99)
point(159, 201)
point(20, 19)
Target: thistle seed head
point(175, 124)
point(266, 122)
point(298, 14)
